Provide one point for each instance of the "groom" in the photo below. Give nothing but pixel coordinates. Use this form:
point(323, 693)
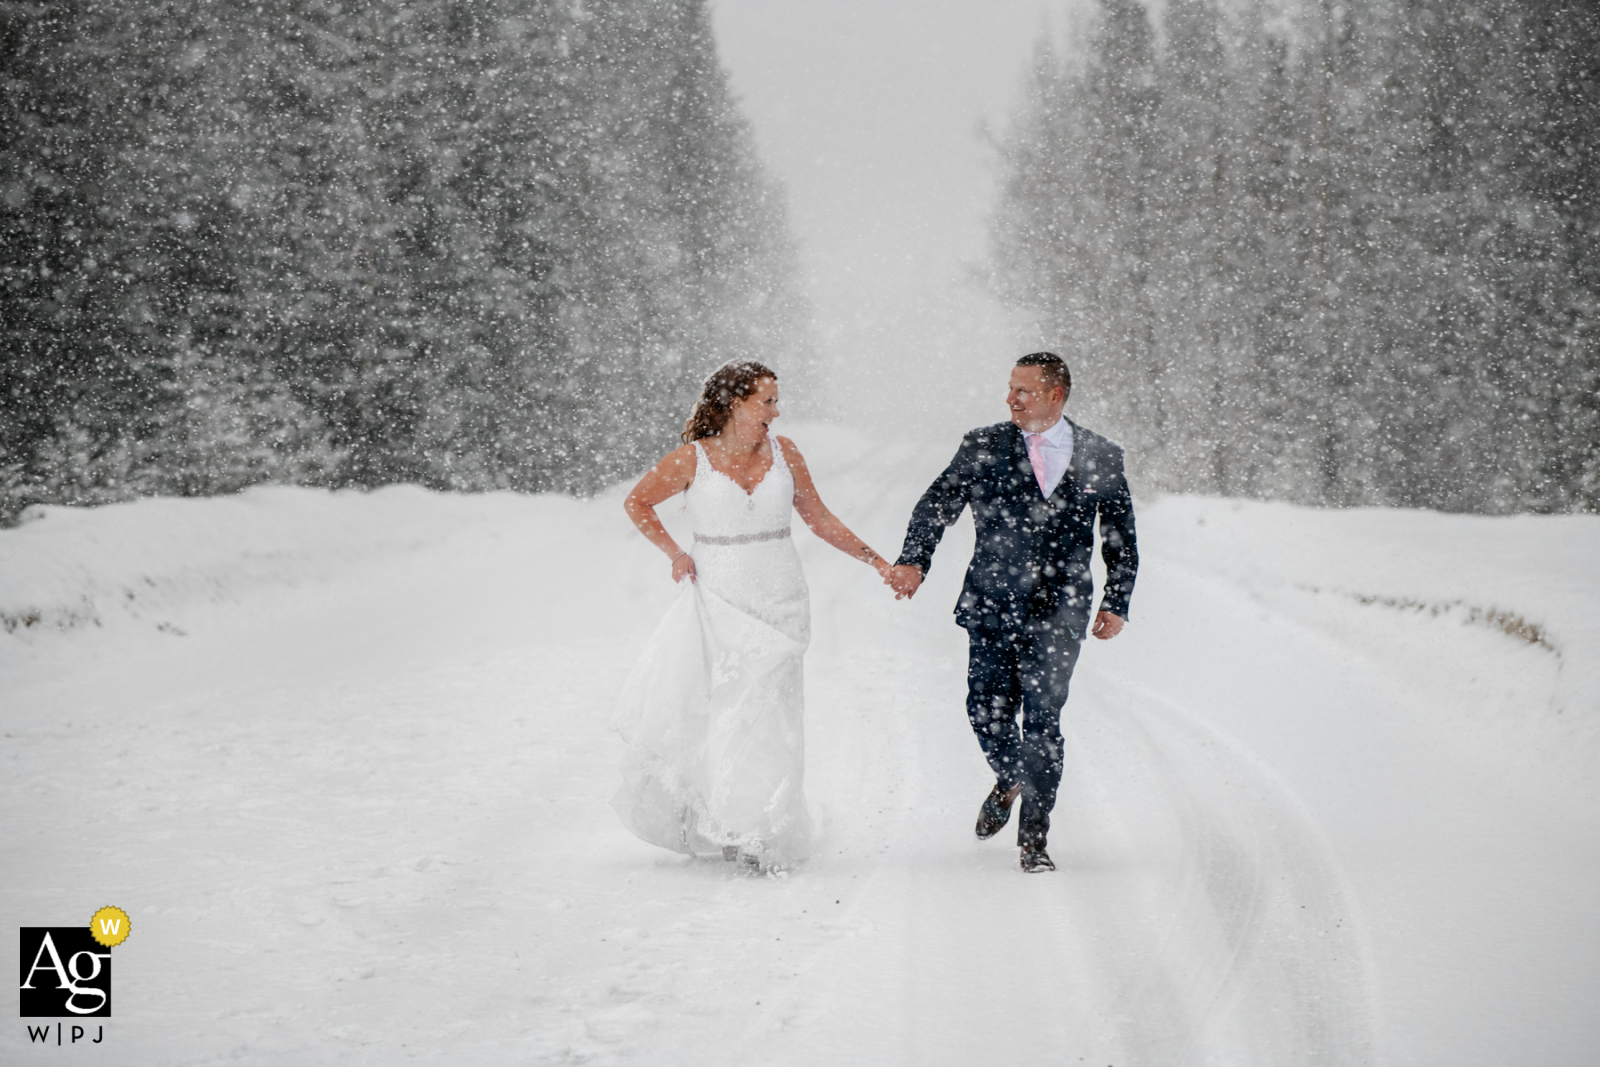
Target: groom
point(1036, 485)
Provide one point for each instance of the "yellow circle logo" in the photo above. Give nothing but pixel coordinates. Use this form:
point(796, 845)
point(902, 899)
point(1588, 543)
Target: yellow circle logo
point(109, 926)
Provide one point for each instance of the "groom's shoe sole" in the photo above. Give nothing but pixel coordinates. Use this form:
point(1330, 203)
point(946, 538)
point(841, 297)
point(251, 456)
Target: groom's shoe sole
point(996, 811)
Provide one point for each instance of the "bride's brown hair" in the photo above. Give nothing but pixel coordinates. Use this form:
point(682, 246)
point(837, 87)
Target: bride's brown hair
point(727, 383)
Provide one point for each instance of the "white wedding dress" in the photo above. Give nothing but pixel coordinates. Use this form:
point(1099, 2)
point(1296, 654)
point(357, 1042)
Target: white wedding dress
point(712, 713)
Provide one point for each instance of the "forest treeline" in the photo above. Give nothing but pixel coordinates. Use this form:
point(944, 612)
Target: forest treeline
point(471, 244)
point(1336, 252)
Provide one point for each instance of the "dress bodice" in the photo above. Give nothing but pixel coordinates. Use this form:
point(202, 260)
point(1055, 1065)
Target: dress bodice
point(720, 508)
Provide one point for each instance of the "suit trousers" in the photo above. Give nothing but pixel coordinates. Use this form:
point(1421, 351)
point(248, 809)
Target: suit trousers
point(1022, 673)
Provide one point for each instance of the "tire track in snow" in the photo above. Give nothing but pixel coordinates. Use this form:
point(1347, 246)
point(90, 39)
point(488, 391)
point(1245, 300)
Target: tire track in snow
point(1239, 931)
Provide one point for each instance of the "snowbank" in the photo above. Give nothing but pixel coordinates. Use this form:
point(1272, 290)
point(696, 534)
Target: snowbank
point(65, 567)
point(1495, 617)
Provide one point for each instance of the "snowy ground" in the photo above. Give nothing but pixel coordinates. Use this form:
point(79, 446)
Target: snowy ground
point(1334, 796)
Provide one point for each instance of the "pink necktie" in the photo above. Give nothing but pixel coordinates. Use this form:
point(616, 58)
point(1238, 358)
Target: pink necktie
point(1036, 457)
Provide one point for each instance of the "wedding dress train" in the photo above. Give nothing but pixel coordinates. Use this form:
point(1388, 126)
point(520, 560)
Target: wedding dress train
point(712, 712)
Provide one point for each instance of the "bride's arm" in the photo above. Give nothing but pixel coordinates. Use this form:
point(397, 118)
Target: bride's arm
point(815, 514)
point(665, 480)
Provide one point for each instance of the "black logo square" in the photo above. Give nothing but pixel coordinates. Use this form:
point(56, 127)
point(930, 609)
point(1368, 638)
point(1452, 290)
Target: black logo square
point(66, 973)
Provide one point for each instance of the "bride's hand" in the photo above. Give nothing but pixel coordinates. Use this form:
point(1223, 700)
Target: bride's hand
point(683, 567)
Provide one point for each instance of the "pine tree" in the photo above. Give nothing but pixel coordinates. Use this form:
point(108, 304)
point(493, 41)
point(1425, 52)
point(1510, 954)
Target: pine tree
point(469, 243)
point(1346, 261)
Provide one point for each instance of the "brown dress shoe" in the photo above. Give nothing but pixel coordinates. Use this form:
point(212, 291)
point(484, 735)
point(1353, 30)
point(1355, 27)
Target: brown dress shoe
point(996, 810)
point(1036, 859)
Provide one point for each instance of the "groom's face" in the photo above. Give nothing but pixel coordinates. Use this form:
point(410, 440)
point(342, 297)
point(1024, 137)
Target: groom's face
point(1035, 405)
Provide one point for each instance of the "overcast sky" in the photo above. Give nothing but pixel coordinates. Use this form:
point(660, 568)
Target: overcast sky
point(869, 111)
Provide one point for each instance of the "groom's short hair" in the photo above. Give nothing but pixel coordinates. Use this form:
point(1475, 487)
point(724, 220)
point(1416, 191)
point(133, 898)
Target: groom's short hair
point(1053, 367)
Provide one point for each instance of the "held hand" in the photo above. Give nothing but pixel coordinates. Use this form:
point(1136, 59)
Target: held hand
point(904, 580)
point(1107, 625)
point(683, 567)
point(883, 567)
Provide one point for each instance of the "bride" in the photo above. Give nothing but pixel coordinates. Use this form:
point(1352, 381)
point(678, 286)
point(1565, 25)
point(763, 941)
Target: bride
point(712, 711)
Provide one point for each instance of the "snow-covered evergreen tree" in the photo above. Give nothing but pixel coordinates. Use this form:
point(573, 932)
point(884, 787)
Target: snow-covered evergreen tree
point(1332, 252)
point(467, 243)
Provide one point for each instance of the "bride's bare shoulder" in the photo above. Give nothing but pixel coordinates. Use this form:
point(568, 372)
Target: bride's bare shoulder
point(677, 467)
point(680, 458)
point(792, 456)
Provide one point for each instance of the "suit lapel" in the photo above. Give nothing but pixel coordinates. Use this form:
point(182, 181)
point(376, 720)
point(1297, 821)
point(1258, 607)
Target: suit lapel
point(1021, 466)
point(1070, 481)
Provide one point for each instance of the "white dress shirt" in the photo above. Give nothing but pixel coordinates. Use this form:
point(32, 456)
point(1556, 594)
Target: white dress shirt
point(1057, 452)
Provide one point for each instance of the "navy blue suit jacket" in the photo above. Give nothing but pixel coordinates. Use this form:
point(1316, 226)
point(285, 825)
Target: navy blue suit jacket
point(1031, 562)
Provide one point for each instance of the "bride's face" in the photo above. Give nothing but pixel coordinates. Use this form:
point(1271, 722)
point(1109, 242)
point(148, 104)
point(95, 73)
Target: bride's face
point(751, 416)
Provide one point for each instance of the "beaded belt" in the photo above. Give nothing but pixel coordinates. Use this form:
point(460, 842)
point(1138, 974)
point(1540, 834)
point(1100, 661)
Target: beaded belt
point(743, 539)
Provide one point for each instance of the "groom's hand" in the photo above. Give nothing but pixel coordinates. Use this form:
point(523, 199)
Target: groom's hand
point(1107, 625)
point(904, 580)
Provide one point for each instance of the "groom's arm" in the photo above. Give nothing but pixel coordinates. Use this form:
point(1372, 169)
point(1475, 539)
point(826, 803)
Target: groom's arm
point(939, 508)
point(1119, 544)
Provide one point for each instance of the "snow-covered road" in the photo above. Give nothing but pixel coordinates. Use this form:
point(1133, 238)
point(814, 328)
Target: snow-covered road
point(1334, 796)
